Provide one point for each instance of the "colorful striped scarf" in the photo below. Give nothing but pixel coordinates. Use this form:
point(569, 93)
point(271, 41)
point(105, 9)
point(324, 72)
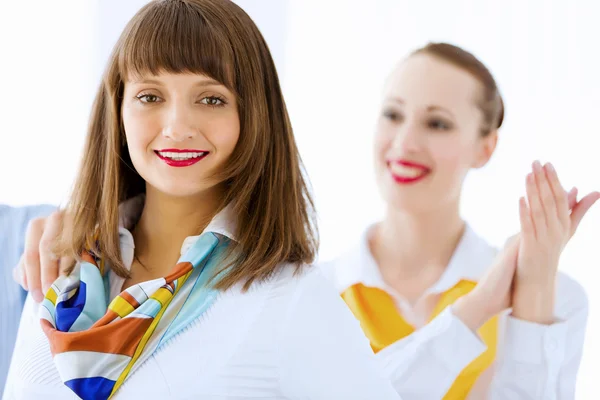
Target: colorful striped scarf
point(96, 346)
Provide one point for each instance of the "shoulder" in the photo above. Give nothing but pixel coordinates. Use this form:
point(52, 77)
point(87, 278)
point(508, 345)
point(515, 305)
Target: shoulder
point(39, 210)
point(322, 351)
point(350, 267)
point(17, 218)
point(296, 286)
point(25, 212)
point(311, 300)
point(301, 296)
point(11, 216)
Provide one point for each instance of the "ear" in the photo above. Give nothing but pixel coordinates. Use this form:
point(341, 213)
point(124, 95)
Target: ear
point(485, 149)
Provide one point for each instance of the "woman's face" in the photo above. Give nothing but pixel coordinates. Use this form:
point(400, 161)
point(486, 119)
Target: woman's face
point(428, 134)
point(180, 129)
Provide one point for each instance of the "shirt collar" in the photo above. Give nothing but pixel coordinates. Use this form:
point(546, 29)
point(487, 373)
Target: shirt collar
point(469, 261)
point(223, 223)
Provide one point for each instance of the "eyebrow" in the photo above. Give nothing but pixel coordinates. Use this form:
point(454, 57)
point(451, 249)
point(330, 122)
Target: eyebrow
point(202, 83)
point(396, 100)
point(438, 108)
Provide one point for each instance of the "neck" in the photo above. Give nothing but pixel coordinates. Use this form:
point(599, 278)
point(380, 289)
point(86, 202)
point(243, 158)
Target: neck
point(166, 221)
point(407, 245)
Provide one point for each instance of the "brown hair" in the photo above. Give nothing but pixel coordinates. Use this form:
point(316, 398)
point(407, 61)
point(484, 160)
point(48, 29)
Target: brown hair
point(490, 103)
point(264, 180)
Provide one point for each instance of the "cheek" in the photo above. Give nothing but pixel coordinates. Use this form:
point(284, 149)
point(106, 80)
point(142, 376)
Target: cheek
point(225, 133)
point(381, 144)
point(138, 130)
point(452, 159)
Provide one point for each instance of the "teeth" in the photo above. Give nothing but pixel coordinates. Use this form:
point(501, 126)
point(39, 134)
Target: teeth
point(181, 156)
point(408, 172)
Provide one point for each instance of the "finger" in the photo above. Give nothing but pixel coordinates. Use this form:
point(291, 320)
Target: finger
point(535, 206)
point(33, 236)
point(572, 198)
point(49, 262)
point(581, 209)
point(561, 201)
point(525, 218)
point(546, 197)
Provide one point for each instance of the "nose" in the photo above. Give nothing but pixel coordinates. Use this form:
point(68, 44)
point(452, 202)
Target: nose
point(179, 122)
point(408, 138)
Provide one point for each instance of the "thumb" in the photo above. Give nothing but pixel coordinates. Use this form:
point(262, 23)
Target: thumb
point(508, 257)
point(581, 208)
point(512, 239)
point(512, 249)
point(513, 242)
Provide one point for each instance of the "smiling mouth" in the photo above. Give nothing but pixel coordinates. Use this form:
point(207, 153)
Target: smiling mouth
point(407, 172)
point(181, 158)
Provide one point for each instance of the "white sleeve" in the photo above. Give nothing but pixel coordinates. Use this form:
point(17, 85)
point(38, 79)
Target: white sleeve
point(324, 353)
point(541, 361)
point(426, 363)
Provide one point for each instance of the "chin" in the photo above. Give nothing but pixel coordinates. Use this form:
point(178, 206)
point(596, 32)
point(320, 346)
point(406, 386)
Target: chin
point(171, 189)
point(407, 202)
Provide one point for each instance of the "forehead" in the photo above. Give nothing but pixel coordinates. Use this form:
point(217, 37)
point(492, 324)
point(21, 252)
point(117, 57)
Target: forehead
point(423, 80)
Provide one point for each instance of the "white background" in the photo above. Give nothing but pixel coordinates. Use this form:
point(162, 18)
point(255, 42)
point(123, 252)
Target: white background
point(333, 56)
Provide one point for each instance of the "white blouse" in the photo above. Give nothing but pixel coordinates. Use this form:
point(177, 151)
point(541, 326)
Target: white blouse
point(291, 337)
point(533, 361)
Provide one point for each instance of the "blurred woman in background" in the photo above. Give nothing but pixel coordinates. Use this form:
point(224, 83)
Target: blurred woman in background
point(418, 269)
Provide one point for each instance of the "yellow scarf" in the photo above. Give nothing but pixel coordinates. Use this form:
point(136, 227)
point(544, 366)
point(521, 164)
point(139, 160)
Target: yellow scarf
point(383, 325)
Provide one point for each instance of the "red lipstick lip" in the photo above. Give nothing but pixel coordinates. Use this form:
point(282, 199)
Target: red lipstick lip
point(181, 163)
point(181, 151)
point(407, 180)
point(411, 164)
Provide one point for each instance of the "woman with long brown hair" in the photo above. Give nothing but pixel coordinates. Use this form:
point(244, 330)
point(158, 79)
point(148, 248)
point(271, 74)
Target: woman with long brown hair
point(197, 132)
point(201, 289)
point(421, 279)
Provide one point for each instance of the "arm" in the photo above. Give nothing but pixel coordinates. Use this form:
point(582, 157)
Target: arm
point(543, 341)
point(541, 360)
point(324, 354)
